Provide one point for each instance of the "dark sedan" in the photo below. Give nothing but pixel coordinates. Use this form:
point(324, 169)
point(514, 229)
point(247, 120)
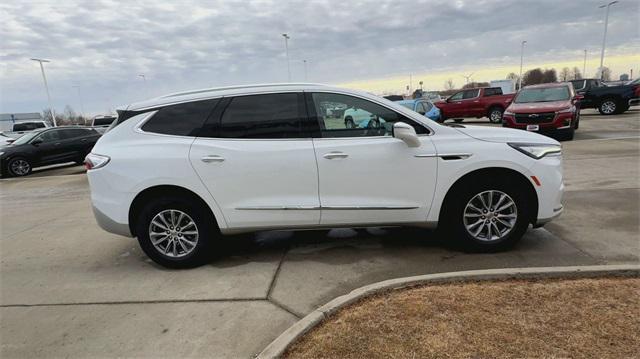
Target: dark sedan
point(47, 147)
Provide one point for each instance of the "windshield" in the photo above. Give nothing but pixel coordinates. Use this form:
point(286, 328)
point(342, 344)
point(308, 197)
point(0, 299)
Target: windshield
point(26, 138)
point(543, 94)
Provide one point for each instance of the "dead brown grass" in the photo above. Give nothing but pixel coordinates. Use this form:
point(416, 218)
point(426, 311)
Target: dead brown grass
point(579, 318)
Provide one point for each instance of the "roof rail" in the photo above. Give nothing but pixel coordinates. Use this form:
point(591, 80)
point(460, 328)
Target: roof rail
point(213, 89)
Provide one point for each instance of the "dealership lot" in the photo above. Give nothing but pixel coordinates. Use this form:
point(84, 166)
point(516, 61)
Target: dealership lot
point(69, 289)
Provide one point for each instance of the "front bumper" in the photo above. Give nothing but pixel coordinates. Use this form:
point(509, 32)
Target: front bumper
point(561, 121)
point(548, 170)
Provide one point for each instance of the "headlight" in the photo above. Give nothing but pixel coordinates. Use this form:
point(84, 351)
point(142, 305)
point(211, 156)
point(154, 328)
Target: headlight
point(537, 150)
point(94, 161)
point(568, 110)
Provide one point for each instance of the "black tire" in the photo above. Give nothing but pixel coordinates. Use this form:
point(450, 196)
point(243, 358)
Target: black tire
point(609, 106)
point(453, 228)
point(458, 120)
point(441, 119)
point(568, 134)
point(495, 114)
point(348, 123)
point(577, 123)
point(207, 238)
point(16, 163)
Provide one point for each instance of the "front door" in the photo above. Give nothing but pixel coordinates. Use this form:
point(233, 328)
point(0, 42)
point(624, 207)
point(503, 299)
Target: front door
point(367, 176)
point(259, 163)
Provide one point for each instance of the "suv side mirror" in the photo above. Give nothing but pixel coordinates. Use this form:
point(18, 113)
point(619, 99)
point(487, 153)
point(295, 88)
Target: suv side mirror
point(406, 133)
point(37, 141)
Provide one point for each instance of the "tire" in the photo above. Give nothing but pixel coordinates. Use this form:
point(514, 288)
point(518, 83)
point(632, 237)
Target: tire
point(18, 167)
point(609, 107)
point(568, 134)
point(495, 114)
point(458, 120)
point(348, 123)
point(179, 253)
point(457, 207)
point(577, 125)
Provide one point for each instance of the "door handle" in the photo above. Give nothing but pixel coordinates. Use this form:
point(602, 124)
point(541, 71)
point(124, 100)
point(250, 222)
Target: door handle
point(212, 158)
point(332, 155)
point(83, 140)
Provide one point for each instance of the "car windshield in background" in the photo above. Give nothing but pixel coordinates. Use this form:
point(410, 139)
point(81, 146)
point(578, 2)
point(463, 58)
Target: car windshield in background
point(547, 94)
point(26, 138)
point(408, 105)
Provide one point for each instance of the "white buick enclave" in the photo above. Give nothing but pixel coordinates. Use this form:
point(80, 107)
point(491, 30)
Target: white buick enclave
point(180, 170)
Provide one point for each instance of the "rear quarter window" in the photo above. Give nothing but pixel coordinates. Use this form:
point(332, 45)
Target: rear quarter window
point(180, 120)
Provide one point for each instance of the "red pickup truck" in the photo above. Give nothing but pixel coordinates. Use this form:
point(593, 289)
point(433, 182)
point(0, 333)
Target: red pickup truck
point(477, 102)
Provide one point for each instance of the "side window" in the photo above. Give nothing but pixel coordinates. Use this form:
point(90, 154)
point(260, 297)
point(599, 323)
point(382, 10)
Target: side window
point(457, 95)
point(420, 108)
point(470, 94)
point(495, 91)
point(361, 118)
point(427, 106)
point(181, 120)
point(579, 85)
point(50, 136)
point(263, 116)
point(75, 133)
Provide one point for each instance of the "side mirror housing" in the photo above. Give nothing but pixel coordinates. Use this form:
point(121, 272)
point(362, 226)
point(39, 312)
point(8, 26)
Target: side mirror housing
point(406, 133)
point(37, 141)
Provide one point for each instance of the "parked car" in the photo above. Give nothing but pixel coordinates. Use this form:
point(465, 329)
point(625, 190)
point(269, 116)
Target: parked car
point(423, 107)
point(19, 128)
point(552, 108)
point(46, 147)
point(609, 100)
point(179, 171)
point(477, 102)
point(5, 139)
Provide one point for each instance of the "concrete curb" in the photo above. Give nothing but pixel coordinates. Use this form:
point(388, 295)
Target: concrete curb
point(280, 344)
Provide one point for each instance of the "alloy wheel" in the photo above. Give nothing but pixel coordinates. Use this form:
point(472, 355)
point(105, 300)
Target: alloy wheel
point(495, 116)
point(490, 215)
point(173, 233)
point(20, 167)
point(608, 107)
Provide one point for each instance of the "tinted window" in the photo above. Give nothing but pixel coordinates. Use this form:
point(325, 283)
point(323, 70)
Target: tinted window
point(74, 133)
point(420, 108)
point(104, 121)
point(492, 91)
point(578, 85)
point(361, 117)
point(263, 116)
point(50, 136)
point(27, 126)
point(471, 94)
point(181, 120)
point(457, 96)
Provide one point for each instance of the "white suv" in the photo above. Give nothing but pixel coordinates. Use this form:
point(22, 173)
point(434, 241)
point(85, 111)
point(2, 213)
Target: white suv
point(180, 170)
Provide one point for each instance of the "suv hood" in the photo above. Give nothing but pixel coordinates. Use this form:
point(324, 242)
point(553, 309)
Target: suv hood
point(504, 135)
point(537, 107)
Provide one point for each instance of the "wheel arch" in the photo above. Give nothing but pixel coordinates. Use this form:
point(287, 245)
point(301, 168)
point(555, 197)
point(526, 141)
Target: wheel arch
point(163, 191)
point(495, 105)
point(513, 176)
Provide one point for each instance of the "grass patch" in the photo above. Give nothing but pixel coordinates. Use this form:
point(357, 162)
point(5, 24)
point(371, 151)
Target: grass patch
point(595, 318)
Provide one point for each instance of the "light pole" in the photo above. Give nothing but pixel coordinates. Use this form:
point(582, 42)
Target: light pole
point(604, 37)
point(80, 98)
point(521, 60)
point(286, 49)
point(46, 87)
point(305, 70)
point(584, 66)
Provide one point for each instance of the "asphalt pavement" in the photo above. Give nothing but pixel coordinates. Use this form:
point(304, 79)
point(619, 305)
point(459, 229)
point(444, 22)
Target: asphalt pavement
point(69, 289)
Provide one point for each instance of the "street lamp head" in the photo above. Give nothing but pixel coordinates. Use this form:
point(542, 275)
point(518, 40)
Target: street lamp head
point(285, 36)
point(39, 60)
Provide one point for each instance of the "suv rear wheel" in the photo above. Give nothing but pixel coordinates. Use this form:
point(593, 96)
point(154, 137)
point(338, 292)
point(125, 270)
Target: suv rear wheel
point(488, 217)
point(495, 114)
point(18, 166)
point(609, 107)
point(176, 233)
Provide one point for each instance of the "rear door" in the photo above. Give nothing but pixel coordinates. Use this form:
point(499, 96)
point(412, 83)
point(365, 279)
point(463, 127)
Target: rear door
point(50, 150)
point(256, 157)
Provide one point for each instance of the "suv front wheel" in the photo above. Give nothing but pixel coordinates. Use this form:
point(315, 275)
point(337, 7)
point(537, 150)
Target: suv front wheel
point(175, 233)
point(488, 217)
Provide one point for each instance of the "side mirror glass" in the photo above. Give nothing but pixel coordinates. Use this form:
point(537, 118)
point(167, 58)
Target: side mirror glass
point(37, 141)
point(406, 133)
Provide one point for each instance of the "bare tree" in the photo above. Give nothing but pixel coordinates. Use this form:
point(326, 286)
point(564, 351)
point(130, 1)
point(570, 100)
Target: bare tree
point(472, 85)
point(606, 74)
point(532, 77)
point(449, 85)
point(565, 74)
point(512, 76)
point(577, 75)
point(549, 76)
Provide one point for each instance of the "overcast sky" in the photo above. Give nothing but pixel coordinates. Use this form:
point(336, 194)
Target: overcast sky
point(102, 46)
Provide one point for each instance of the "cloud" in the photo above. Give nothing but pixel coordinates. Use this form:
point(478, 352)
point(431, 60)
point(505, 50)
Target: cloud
point(103, 46)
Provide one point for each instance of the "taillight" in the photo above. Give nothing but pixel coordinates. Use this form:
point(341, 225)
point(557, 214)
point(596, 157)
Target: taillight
point(636, 90)
point(94, 161)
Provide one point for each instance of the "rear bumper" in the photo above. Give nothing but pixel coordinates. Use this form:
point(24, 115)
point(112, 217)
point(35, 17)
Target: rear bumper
point(109, 225)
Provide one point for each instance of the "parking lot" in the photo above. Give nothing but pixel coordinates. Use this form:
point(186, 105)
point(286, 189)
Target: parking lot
point(67, 288)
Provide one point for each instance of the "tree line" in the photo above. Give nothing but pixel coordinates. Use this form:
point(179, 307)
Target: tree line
point(68, 117)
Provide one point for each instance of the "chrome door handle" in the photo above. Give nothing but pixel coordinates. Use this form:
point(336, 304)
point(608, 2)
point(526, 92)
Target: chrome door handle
point(332, 155)
point(212, 158)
